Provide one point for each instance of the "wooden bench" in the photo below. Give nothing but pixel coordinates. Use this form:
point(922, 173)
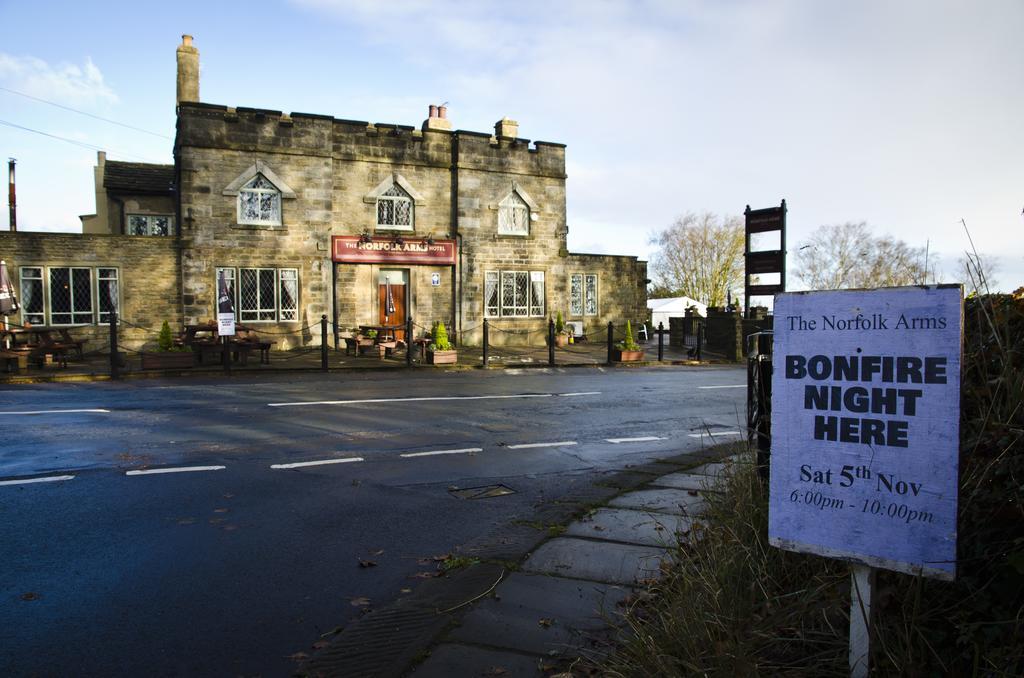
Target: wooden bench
point(69, 341)
point(14, 360)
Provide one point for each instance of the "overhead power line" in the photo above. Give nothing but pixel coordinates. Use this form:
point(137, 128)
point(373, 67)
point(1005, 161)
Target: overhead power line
point(90, 115)
point(71, 141)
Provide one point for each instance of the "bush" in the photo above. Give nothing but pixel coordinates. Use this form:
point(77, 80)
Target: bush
point(628, 343)
point(165, 342)
point(439, 341)
point(559, 323)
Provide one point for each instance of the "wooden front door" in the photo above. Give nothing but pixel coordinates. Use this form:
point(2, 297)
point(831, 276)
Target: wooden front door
point(396, 317)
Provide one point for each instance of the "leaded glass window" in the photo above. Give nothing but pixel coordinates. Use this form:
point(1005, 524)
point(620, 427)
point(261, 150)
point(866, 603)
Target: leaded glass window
point(70, 296)
point(576, 294)
point(395, 209)
point(289, 294)
point(510, 294)
point(257, 300)
point(590, 294)
point(107, 292)
point(149, 224)
point(31, 298)
point(259, 202)
point(513, 216)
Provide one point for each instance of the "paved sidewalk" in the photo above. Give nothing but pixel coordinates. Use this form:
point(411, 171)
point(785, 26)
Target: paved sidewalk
point(533, 617)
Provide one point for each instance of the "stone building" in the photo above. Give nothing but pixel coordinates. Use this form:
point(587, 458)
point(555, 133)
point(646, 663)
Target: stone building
point(309, 215)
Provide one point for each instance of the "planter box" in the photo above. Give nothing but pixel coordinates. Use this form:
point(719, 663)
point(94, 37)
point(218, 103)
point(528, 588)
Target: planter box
point(442, 357)
point(168, 360)
point(561, 340)
point(626, 356)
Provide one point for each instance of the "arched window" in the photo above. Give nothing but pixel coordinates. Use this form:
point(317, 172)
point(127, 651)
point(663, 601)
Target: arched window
point(259, 202)
point(395, 209)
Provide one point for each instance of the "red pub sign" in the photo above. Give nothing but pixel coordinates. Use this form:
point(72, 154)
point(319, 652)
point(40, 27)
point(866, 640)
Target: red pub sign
point(354, 249)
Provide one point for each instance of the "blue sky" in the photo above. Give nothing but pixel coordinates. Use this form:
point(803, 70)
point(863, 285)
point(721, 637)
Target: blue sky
point(902, 114)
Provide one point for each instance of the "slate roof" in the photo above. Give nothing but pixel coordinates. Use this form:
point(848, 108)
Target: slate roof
point(138, 177)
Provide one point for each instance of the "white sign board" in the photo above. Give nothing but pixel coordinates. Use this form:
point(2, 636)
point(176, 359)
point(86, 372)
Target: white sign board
point(866, 426)
point(435, 279)
point(226, 324)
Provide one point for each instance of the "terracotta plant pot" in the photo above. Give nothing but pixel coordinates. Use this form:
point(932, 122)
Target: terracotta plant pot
point(442, 357)
point(620, 356)
point(168, 360)
point(561, 340)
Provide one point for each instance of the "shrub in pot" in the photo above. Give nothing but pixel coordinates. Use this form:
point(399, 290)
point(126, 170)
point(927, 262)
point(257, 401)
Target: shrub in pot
point(167, 356)
point(627, 350)
point(440, 351)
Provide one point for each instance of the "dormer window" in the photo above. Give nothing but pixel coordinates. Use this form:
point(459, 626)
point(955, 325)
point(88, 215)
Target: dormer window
point(513, 216)
point(395, 209)
point(258, 193)
point(259, 202)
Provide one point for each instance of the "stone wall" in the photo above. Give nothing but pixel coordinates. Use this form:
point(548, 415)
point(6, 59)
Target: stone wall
point(148, 277)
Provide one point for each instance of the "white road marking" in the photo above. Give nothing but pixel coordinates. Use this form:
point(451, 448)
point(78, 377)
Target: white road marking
point(26, 481)
point(176, 469)
point(713, 434)
point(729, 386)
point(303, 464)
point(582, 393)
point(428, 398)
point(467, 450)
point(642, 439)
point(98, 411)
point(528, 445)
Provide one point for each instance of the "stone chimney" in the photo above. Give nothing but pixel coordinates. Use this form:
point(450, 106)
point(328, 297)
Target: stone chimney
point(188, 71)
point(506, 128)
point(437, 118)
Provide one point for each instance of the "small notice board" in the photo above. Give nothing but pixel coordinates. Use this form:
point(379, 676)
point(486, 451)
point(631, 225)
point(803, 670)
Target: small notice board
point(865, 426)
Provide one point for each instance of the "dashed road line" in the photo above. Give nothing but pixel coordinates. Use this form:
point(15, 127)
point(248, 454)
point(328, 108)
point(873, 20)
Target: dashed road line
point(429, 399)
point(176, 469)
point(433, 453)
point(26, 481)
point(94, 411)
point(642, 439)
point(727, 386)
point(524, 446)
point(321, 462)
point(713, 434)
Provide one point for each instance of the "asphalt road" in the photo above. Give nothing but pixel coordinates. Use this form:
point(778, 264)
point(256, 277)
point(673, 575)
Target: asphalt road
point(180, 541)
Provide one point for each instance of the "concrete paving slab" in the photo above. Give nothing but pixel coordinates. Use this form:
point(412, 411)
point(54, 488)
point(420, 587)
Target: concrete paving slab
point(542, 614)
point(596, 561)
point(450, 659)
point(679, 502)
point(687, 481)
point(631, 527)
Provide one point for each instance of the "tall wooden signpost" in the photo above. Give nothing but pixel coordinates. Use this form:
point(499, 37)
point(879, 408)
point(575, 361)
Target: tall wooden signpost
point(764, 262)
point(865, 434)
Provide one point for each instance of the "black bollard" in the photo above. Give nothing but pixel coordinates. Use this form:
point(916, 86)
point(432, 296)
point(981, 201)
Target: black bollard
point(115, 359)
point(486, 341)
point(610, 339)
point(551, 343)
point(323, 343)
point(408, 342)
point(661, 341)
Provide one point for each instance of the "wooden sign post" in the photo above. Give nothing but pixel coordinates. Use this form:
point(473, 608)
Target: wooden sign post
point(865, 434)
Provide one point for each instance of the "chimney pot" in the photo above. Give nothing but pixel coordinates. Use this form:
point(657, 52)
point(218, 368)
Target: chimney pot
point(433, 111)
point(442, 112)
point(188, 71)
point(186, 40)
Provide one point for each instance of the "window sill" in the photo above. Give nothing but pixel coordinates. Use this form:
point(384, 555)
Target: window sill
point(393, 229)
point(260, 227)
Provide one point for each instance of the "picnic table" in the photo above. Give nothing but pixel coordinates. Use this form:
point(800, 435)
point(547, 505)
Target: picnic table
point(19, 345)
point(203, 339)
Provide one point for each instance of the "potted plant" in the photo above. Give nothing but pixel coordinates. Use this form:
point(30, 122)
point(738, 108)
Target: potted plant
point(167, 356)
point(440, 351)
point(627, 350)
point(561, 336)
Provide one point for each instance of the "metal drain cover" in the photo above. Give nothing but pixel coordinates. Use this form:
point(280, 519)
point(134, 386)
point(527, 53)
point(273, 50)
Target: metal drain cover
point(482, 492)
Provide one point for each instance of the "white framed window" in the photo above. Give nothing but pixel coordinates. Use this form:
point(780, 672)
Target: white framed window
point(262, 295)
point(395, 209)
point(582, 294)
point(150, 224)
point(259, 202)
point(513, 215)
point(31, 299)
point(107, 292)
point(71, 296)
point(513, 294)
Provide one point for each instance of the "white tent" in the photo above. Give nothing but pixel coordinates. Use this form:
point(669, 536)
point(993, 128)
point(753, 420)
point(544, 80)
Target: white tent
point(674, 307)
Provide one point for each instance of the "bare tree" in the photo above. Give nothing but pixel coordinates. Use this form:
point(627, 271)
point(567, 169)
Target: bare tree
point(977, 273)
point(848, 255)
point(700, 256)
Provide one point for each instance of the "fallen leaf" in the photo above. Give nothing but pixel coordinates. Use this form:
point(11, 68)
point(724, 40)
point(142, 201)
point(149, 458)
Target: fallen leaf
point(359, 602)
point(221, 510)
point(367, 563)
point(495, 671)
point(298, 656)
point(30, 596)
point(321, 644)
point(406, 590)
point(378, 552)
point(228, 495)
point(425, 575)
point(598, 528)
point(546, 622)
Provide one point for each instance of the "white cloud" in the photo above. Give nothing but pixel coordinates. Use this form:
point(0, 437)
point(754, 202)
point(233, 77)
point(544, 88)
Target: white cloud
point(64, 83)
